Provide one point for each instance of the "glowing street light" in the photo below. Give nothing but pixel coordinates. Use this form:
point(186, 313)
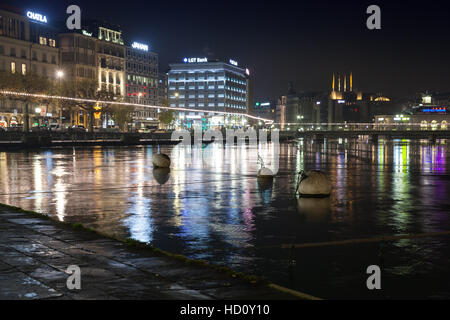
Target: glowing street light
point(60, 74)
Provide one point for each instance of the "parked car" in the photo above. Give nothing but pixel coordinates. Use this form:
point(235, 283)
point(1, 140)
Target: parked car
point(77, 129)
point(14, 128)
point(55, 127)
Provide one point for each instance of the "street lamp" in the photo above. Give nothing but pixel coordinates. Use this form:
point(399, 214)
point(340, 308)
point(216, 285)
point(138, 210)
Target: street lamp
point(60, 75)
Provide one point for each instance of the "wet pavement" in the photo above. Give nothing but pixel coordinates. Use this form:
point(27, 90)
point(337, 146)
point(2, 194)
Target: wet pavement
point(35, 254)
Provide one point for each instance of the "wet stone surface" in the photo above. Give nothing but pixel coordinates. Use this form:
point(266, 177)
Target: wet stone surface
point(35, 254)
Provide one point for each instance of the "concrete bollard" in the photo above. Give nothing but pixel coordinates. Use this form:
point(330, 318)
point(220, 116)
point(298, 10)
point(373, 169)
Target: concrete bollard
point(314, 184)
point(265, 173)
point(161, 160)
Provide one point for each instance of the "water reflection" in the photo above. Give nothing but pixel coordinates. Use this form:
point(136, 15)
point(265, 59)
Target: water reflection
point(210, 204)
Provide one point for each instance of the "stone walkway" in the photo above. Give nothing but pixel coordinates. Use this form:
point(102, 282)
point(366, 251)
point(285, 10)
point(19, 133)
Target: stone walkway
point(35, 252)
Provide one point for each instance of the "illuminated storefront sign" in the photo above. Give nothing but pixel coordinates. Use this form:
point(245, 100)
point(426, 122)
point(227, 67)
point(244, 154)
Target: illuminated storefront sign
point(401, 118)
point(89, 34)
point(234, 63)
point(195, 60)
point(247, 71)
point(435, 110)
point(36, 17)
point(140, 46)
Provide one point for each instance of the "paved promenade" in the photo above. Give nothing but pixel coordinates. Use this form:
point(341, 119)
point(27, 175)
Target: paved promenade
point(35, 252)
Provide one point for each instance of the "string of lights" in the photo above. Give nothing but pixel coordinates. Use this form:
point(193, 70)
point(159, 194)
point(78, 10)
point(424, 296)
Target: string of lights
point(349, 124)
point(128, 104)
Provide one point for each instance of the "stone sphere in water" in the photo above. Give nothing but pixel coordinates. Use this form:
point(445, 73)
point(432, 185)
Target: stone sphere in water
point(265, 173)
point(161, 175)
point(315, 184)
point(161, 160)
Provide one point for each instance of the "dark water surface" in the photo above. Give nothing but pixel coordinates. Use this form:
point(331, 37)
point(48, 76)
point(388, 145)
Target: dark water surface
point(211, 207)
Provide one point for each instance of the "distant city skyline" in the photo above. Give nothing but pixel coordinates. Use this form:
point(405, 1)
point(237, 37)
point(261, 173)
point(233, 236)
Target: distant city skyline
point(281, 42)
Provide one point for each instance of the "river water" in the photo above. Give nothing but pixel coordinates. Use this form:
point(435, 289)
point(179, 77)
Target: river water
point(210, 206)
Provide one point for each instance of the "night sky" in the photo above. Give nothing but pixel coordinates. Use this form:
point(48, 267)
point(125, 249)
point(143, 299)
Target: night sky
point(282, 41)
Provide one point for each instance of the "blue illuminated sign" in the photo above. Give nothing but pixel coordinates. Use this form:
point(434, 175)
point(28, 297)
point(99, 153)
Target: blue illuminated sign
point(434, 110)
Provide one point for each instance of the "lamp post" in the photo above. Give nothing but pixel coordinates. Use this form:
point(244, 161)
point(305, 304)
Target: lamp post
point(60, 75)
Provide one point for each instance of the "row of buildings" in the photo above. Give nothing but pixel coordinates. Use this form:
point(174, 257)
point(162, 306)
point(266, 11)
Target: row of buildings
point(345, 106)
point(201, 88)
point(97, 52)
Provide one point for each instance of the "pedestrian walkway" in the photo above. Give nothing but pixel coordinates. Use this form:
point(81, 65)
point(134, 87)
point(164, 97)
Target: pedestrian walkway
point(35, 253)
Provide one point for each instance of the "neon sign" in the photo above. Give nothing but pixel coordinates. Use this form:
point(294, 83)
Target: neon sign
point(234, 63)
point(195, 60)
point(89, 34)
point(434, 110)
point(140, 46)
point(37, 17)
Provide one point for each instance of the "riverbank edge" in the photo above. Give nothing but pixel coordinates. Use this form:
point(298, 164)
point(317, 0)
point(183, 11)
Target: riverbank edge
point(137, 245)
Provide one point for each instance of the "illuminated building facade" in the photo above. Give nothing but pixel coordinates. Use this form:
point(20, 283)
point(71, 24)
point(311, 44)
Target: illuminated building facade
point(110, 57)
point(141, 70)
point(280, 114)
point(346, 104)
point(431, 112)
point(303, 107)
point(424, 118)
point(28, 44)
point(163, 86)
point(199, 83)
point(265, 110)
point(94, 53)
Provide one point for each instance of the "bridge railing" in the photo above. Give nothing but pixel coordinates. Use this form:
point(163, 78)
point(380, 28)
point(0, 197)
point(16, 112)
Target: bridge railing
point(304, 127)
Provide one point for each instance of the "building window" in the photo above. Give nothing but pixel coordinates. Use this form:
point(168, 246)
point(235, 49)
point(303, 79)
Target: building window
point(13, 52)
point(24, 69)
point(13, 67)
point(51, 43)
point(43, 41)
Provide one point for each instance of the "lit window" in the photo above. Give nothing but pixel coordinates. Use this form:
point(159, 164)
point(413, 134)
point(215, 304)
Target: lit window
point(43, 41)
point(13, 67)
point(24, 69)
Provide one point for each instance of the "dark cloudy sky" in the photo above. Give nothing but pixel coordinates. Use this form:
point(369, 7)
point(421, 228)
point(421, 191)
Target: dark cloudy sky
point(282, 41)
